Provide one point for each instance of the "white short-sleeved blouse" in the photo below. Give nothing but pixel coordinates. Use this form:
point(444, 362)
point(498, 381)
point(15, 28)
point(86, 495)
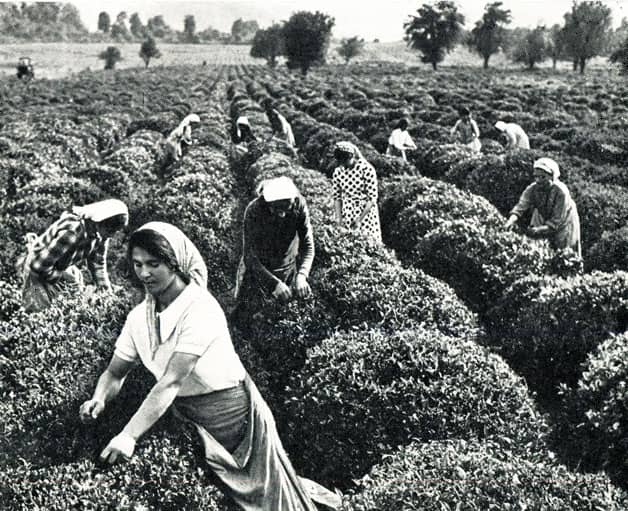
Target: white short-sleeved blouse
point(193, 323)
point(401, 139)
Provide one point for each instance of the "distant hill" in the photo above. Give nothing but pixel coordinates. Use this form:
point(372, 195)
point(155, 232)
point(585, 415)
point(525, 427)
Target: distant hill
point(42, 22)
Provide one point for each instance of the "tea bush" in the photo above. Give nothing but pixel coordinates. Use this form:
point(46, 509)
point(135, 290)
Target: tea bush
point(476, 475)
point(10, 300)
point(601, 208)
point(161, 475)
point(363, 392)
point(357, 286)
point(437, 203)
point(478, 261)
point(42, 201)
point(545, 327)
point(610, 253)
point(597, 417)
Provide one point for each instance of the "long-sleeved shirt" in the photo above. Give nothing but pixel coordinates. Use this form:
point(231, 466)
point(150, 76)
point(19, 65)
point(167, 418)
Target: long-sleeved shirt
point(516, 136)
point(67, 242)
point(554, 208)
point(273, 243)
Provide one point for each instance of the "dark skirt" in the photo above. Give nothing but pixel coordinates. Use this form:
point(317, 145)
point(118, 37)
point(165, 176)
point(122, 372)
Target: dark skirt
point(258, 474)
point(223, 414)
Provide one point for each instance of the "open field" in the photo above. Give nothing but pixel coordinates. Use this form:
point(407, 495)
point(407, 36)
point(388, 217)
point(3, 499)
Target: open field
point(458, 366)
point(57, 60)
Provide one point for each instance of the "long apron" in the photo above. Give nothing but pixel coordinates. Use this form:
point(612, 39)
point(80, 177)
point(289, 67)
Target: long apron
point(258, 473)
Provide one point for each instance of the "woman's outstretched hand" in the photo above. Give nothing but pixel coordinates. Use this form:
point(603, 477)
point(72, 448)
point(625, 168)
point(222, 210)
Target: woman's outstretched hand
point(120, 447)
point(90, 410)
point(512, 220)
point(302, 287)
point(282, 292)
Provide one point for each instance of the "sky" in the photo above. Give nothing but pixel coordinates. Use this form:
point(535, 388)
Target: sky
point(369, 19)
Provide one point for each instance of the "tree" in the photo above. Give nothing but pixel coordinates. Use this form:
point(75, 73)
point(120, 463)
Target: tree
point(119, 30)
point(268, 44)
point(531, 48)
point(350, 48)
point(243, 31)
point(306, 36)
point(556, 43)
point(136, 27)
point(435, 31)
point(104, 22)
point(149, 50)
point(586, 28)
point(620, 56)
point(189, 29)
point(213, 34)
point(71, 17)
point(111, 56)
point(617, 37)
point(489, 34)
point(157, 27)
point(41, 12)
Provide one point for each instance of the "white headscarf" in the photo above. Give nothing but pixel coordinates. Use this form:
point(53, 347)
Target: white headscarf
point(241, 121)
point(190, 263)
point(99, 211)
point(184, 131)
point(188, 257)
point(349, 148)
point(548, 165)
point(279, 188)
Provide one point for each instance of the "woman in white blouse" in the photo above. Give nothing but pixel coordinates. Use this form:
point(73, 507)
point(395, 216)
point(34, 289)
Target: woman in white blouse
point(179, 332)
point(400, 141)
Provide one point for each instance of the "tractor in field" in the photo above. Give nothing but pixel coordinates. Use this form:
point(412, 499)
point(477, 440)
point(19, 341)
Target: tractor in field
point(25, 70)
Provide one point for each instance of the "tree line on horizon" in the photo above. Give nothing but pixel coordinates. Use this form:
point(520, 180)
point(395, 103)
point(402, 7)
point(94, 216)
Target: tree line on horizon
point(586, 32)
point(439, 26)
point(61, 22)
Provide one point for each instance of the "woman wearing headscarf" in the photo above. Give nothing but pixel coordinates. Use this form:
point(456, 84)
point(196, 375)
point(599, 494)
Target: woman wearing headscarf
point(466, 130)
point(554, 213)
point(516, 137)
point(182, 134)
point(400, 141)
point(180, 334)
point(355, 192)
point(78, 236)
point(278, 248)
point(242, 131)
point(280, 126)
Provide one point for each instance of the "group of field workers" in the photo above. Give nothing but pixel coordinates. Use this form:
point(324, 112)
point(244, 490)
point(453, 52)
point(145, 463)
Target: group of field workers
point(554, 213)
point(180, 333)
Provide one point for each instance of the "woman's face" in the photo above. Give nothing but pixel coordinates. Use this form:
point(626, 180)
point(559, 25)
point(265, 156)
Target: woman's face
point(345, 159)
point(154, 273)
point(280, 208)
point(542, 178)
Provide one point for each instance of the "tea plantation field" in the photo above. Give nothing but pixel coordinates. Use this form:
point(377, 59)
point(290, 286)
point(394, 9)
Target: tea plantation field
point(456, 367)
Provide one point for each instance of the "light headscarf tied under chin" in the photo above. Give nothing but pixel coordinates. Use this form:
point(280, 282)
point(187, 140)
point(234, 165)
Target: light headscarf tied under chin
point(190, 264)
point(348, 148)
point(548, 165)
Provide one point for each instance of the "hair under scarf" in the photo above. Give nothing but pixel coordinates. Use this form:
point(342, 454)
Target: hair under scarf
point(188, 257)
point(348, 148)
point(548, 165)
point(190, 263)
